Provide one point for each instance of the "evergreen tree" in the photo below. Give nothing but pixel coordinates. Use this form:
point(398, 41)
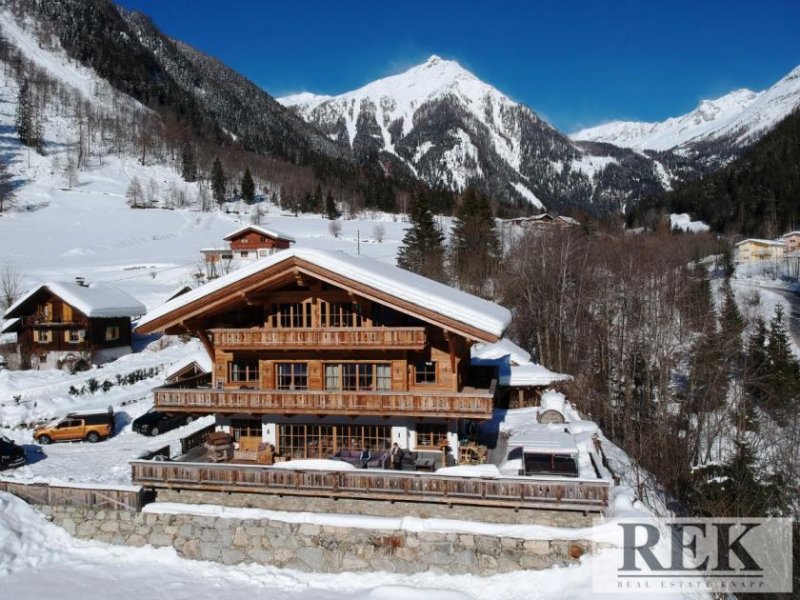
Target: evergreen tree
point(6, 188)
point(248, 187)
point(474, 244)
point(28, 126)
point(331, 212)
point(422, 250)
point(188, 163)
point(757, 363)
point(783, 371)
point(218, 181)
point(731, 322)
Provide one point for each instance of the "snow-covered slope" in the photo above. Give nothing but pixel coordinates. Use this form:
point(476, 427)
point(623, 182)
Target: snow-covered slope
point(736, 119)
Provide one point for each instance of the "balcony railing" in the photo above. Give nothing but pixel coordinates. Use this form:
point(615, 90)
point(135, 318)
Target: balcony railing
point(475, 404)
point(320, 338)
point(517, 492)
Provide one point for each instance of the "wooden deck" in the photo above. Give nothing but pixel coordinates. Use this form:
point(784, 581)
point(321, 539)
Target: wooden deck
point(515, 493)
point(321, 338)
point(469, 404)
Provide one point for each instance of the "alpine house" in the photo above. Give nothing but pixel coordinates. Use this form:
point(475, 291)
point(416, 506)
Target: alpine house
point(320, 352)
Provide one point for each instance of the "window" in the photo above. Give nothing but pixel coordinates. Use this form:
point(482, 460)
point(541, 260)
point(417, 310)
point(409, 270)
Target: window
point(426, 372)
point(431, 435)
point(112, 333)
point(292, 376)
point(243, 371)
point(358, 376)
point(291, 315)
point(341, 314)
point(74, 336)
point(322, 441)
point(42, 336)
point(243, 253)
point(66, 313)
point(247, 428)
point(69, 423)
point(47, 312)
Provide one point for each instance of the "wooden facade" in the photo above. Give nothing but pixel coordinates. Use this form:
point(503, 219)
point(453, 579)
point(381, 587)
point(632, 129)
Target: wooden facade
point(52, 325)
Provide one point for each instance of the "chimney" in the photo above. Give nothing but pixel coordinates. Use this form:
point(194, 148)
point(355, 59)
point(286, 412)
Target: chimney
point(81, 281)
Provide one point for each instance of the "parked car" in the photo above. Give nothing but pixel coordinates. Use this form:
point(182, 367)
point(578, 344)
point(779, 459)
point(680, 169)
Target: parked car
point(11, 455)
point(154, 422)
point(89, 426)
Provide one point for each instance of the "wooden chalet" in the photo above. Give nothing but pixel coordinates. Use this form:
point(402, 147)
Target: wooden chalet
point(543, 221)
point(61, 322)
point(319, 352)
point(247, 243)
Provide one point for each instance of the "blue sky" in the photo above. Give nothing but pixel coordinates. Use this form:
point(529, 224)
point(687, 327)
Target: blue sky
point(577, 63)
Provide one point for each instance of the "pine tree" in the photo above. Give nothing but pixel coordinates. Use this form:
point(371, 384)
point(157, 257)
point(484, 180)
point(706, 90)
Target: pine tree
point(248, 187)
point(188, 163)
point(731, 322)
point(28, 127)
point(331, 212)
point(783, 371)
point(474, 244)
point(218, 181)
point(6, 188)
point(422, 250)
point(757, 363)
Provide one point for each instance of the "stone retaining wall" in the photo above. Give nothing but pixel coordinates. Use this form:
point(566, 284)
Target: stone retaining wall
point(381, 508)
point(310, 547)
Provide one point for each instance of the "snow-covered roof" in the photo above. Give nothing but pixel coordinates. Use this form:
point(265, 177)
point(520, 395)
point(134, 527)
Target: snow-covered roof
point(181, 289)
point(10, 325)
point(260, 230)
point(552, 401)
point(762, 242)
point(412, 288)
point(791, 233)
point(93, 300)
point(544, 441)
point(201, 359)
point(499, 350)
point(514, 365)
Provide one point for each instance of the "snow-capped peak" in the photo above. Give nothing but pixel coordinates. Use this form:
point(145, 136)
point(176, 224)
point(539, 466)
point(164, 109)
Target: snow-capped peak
point(740, 116)
point(302, 98)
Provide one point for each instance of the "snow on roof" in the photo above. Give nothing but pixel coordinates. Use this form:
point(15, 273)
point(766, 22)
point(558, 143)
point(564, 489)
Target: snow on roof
point(415, 289)
point(514, 365)
point(762, 242)
point(201, 359)
point(544, 441)
point(261, 230)
point(10, 325)
point(791, 233)
point(181, 289)
point(489, 352)
point(552, 401)
point(93, 300)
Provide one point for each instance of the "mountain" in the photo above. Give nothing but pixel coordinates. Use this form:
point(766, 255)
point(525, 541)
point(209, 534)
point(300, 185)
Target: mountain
point(180, 83)
point(716, 130)
point(441, 123)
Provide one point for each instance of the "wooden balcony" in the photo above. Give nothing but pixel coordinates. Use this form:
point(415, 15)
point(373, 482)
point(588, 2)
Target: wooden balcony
point(321, 338)
point(469, 404)
point(587, 495)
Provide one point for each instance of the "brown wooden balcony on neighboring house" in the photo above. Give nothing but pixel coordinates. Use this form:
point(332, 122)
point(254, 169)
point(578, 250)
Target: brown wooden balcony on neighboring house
point(321, 338)
point(471, 403)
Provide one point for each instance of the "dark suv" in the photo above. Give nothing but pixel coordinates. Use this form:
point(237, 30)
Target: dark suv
point(11, 455)
point(154, 422)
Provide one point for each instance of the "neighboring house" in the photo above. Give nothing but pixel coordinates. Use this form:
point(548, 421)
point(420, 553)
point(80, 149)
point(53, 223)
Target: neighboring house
point(319, 353)
point(245, 244)
point(751, 250)
point(197, 365)
point(792, 240)
point(60, 322)
point(543, 221)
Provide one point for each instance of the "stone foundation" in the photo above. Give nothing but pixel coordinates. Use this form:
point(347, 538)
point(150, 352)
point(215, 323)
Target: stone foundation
point(309, 547)
point(422, 510)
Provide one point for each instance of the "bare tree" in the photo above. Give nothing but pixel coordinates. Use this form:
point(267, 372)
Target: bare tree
point(10, 285)
point(135, 194)
point(379, 233)
point(6, 188)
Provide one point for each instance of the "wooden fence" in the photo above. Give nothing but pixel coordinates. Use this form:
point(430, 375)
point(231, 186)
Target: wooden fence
point(198, 438)
point(580, 495)
point(54, 495)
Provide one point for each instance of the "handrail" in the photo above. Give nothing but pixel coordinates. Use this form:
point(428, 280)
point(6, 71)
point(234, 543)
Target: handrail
point(510, 492)
point(321, 337)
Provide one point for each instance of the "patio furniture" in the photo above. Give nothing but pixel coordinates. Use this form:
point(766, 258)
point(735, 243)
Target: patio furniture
point(377, 460)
